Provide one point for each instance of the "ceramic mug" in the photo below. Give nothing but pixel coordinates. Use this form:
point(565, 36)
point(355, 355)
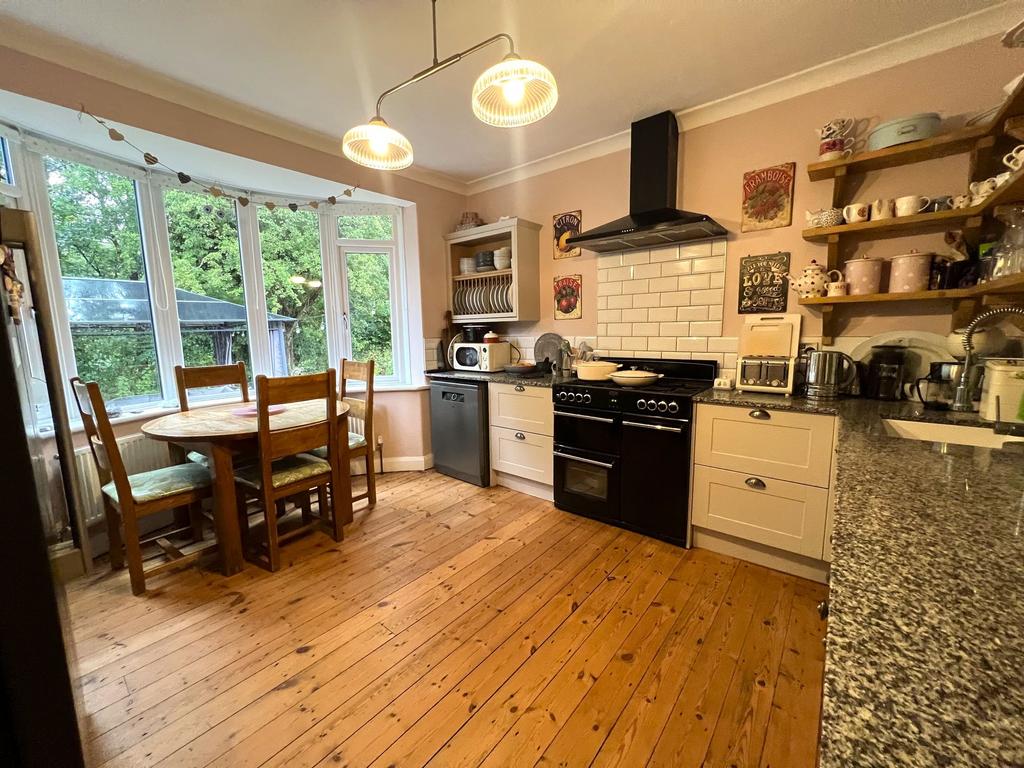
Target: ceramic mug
point(943, 203)
point(908, 205)
point(883, 209)
point(962, 201)
point(983, 188)
point(1002, 178)
point(835, 128)
point(1014, 159)
point(835, 147)
point(836, 285)
point(855, 212)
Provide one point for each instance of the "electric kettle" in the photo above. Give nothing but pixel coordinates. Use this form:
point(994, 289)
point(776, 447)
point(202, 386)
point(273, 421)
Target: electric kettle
point(826, 375)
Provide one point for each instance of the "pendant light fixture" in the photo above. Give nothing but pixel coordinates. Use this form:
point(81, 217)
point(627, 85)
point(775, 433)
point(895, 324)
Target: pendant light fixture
point(512, 93)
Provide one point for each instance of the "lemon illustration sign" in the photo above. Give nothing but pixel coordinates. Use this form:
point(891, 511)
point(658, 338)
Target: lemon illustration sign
point(569, 297)
point(564, 226)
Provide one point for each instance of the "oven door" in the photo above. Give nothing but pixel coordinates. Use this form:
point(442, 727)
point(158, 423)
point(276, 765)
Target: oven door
point(596, 431)
point(587, 483)
point(656, 476)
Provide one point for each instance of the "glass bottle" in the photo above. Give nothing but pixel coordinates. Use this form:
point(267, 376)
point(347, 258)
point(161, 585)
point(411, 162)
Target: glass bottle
point(1008, 255)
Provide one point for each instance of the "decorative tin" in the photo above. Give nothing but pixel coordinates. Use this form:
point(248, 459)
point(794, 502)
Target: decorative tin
point(768, 198)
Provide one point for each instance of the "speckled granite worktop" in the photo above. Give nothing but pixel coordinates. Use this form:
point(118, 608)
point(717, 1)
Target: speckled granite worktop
point(544, 380)
point(925, 657)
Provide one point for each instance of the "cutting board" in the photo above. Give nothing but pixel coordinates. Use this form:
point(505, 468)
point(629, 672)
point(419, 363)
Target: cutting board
point(773, 336)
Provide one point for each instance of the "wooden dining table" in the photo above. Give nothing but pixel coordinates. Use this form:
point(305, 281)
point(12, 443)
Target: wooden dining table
point(224, 434)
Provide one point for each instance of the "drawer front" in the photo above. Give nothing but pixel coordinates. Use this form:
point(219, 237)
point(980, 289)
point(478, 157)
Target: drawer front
point(523, 454)
point(779, 444)
point(776, 513)
point(529, 410)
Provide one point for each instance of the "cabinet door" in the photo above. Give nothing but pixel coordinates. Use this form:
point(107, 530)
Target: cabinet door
point(523, 408)
point(523, 454)
point(776, 513)
point(779, 444)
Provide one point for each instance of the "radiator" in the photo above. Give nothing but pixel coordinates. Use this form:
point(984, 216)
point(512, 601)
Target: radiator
point(139, 454)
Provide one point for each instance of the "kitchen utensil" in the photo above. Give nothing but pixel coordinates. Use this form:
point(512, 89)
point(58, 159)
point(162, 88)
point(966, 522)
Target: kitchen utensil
point(909, 205)
point(982, 189)
point(836, 285)
point(904, 129)
point(491, 337)
point(523, 369)
point(885, 372)
point(883, 208)
point(1002, 393)
point(547, 347)
point(1014, 159)
point(855, 212)
point(864, 275)
point(835, 128)
point(962, 201)
point(835, 148)
point(824, 217)
point(826, 375)
point(987, 342)
point(1008, 253)
point(768, 349)
point(811, 282)
point(474, 334)
point(942, 203)
point(910, 272)
point(595, 370)
point(635, 378)
point(936, 390)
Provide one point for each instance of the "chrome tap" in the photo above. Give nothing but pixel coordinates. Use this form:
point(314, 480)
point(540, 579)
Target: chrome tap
point(963, 400)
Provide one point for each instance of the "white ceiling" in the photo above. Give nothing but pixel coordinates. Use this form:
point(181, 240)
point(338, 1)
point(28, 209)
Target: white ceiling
point(321, 64)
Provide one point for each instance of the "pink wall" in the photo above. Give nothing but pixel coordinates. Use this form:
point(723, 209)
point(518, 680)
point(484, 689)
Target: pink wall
point(715, 156)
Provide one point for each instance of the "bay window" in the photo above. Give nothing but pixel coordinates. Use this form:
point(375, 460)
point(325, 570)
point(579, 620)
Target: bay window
point(156, 275)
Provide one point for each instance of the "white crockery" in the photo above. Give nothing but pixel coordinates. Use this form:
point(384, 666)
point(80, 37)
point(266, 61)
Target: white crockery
point(635, 378)
point(908, 205)
point(595, 370)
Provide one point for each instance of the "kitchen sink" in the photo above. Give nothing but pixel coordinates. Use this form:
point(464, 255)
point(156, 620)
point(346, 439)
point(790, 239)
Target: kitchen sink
point(956, 434)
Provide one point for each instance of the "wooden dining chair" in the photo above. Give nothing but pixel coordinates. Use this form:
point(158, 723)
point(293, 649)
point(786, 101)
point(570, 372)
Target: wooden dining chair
point(362, 409)
point(286, 468)
point(128, 498)
point(198, 376)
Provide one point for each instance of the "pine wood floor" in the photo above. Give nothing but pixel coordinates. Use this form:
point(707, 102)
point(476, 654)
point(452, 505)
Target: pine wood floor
point(455, 626)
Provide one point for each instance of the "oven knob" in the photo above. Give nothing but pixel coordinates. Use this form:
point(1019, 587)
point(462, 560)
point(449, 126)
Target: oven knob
point(561, 396)
point(641, 405)
point(673, 407)
point(662, 406)
point(651, 405)
point(578, 397)
point(586, 398)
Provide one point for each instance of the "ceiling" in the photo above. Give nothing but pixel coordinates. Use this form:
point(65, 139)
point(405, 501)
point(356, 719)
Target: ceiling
point(321, 64)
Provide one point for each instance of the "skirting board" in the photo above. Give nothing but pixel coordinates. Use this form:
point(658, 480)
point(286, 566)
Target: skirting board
point(769, 557)
point(404, 463)
point(521, 484)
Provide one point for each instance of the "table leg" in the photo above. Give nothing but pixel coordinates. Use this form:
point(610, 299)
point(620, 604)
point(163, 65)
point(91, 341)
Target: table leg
point(225, 509)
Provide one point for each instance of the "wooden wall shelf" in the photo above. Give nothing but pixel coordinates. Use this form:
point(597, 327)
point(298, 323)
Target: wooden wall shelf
point(920, 223)
point(1014, 284)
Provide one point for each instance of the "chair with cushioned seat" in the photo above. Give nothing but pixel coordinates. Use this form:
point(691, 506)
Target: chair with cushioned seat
point(359, 445)
point(286, 466)
point(198, 376)
point(127, 498)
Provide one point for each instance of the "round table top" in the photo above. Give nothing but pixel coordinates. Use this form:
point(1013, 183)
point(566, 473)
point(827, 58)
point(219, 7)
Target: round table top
point(219, 422)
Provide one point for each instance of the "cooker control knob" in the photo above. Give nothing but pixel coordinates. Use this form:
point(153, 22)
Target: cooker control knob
point(673, 407)
point(641, 405)
point(651, 405)
point(561, 396)
point(586, 398)
point(662, 406)
point(579, 397)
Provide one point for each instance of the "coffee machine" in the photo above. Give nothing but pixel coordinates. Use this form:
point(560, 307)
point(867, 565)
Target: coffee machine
point(884, 379)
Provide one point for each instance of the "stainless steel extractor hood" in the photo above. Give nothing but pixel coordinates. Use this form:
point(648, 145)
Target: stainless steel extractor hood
point(653, 219)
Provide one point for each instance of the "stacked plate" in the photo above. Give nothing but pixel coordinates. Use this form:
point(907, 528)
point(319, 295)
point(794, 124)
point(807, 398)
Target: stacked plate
point(485, 261)
point(482, 297)
point(467, 265)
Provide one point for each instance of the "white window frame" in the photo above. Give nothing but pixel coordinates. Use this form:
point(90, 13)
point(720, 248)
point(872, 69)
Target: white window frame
point(32, 192)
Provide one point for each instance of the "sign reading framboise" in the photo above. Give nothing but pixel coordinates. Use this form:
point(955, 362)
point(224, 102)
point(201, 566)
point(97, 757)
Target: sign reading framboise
point(768, 198)
point(569, 297)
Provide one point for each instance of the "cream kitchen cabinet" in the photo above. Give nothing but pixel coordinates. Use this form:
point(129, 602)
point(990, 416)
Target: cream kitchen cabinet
point(521, 420)
point(762, 485)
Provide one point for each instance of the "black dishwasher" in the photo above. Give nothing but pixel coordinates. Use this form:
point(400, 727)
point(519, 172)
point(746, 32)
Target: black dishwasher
point(458, 430)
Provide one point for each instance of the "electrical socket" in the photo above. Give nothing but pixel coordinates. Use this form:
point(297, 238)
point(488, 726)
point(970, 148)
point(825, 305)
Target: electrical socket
point(380, 439)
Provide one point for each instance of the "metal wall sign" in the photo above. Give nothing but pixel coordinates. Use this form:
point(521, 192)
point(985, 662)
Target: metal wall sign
point(764, 284)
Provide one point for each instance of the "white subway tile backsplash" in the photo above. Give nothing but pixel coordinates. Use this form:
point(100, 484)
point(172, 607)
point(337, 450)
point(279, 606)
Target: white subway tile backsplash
point(674, 329)
point(662, 314)
point(619, 273)
point(646, 299)
point(636, 257)
point(670, 268)
point(609, 289)
point(661, 343)
point(602, 302)
point(695, 251)
point(718, 279)
point(692, 313)
point(634, 343)
point(661, 284)
point(718, 247)
point(620, 302)
point(675, 299)
point(709, 297)
point(602, 329)
point(635, 315)
point(609, 316)
point(710, 264)
point(694, 282)
point(619, 329)
point(716, 356)
point(676, 356)
point(691, 344)
point(723, 344)
point(609, 342)
point(645, 329)
point(729, 359)
point(642, 271)
point(664, 254)
point(606, 260)
point(715, 312)
point(706, 329)
point(636, 286)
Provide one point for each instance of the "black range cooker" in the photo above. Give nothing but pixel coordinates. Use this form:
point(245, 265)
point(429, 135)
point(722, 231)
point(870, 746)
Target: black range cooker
point(622, 454)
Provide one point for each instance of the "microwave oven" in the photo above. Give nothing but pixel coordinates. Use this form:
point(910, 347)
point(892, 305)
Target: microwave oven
point(480, 357)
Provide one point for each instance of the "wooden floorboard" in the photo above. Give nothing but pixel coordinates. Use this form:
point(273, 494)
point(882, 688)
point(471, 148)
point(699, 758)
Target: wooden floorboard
point(454, 626)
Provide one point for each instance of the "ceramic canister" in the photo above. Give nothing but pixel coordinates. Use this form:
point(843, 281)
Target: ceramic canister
point(864, 275)
point(910, 272)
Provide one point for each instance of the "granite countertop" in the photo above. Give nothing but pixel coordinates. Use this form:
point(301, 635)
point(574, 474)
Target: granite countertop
point(543, 380)
point(925, 648)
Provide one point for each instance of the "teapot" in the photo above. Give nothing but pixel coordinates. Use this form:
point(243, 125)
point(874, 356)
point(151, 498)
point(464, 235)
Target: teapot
point(812, 281)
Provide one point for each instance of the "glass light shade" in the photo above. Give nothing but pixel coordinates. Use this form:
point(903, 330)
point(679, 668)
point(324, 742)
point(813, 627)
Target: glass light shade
point(514, 92)
point(377, 145)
